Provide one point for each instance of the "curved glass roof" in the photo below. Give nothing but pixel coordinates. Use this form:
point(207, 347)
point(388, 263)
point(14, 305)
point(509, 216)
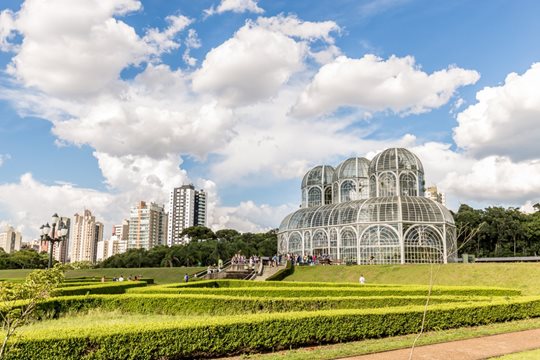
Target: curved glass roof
point(319, 175)
point(395, 159)
point(353, 168)
point(409, 209)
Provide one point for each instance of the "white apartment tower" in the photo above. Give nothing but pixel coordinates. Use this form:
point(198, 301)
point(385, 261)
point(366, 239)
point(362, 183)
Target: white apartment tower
point(147, 226)
point(86, 232)
point(433, 193)
point(10, 239)
point(187, 207)
point(116, 244)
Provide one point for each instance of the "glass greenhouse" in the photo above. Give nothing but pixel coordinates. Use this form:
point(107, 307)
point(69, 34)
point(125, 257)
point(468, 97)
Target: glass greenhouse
point(370, 212)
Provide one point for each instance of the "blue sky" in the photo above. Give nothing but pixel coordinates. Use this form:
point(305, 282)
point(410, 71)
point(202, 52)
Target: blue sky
point(102, 105)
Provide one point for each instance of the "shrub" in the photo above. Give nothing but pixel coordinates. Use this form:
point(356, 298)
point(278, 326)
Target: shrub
point(321, 290)
point(220, 336)
point(224, 305)
point(101, 288)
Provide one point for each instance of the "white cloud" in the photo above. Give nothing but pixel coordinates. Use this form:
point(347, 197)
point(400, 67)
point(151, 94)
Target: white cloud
point(164, 41)
point(236, 6)
point(192, 41)
point(373, 84)
point(505, 120)
point(75, 47)
point(3, 158)
point(31, 203)
point(7, 29)
point(496, 178)
point(251, 67)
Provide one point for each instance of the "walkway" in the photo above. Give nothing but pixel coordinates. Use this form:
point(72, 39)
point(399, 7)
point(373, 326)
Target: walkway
point(268, 271)
point(471, 349)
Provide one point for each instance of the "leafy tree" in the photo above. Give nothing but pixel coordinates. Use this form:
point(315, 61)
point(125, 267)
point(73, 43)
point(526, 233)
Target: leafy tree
point(198, 233)
point(20, 300)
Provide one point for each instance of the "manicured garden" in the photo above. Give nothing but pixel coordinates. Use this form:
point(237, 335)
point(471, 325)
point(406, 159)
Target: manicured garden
point(139, 320)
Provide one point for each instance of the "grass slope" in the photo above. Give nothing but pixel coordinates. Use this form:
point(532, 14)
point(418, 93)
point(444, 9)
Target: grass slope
point(163, 275)
point(522, 276)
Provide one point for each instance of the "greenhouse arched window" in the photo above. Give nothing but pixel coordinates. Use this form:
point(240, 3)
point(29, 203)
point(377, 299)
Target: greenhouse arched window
point(347, 189)
point(314, 197)
point(407, 184)
point(387, 183)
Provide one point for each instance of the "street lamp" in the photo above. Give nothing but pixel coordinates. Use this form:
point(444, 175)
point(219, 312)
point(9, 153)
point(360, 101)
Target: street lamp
point(49, 234)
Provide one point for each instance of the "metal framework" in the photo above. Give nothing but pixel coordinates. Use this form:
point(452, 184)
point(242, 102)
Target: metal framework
point(370, 213)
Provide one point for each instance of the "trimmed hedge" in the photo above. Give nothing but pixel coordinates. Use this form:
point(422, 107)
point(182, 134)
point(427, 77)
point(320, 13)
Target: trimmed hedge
point(283, 273)
point(224, 305)
point(321, 291)
point(115, 287)
point(221, 336)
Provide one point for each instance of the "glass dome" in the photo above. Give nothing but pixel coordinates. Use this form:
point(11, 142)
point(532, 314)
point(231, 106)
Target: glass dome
point(406, 209)
point(320, 175)
point(353, 168)
point(395, 159)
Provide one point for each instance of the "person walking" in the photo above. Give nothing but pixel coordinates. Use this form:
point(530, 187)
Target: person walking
point(186, 278)
point(362, 279)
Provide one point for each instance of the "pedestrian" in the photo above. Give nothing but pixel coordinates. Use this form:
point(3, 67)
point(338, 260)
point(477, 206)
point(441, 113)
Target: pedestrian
point(362, 279)
point(186, 278)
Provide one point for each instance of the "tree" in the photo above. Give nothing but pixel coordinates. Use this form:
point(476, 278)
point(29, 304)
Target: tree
point(198, 233)
point(37, 286)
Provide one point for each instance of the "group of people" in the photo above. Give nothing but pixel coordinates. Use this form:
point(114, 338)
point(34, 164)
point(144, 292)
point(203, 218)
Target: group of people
point(121, 278)
point(309, 259)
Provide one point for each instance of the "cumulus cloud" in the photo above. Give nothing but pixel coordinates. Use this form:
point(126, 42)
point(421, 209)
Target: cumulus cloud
point(374, 84)
point(3, 158)
point(31, 203)
point(7, 29)
point(251, 67)
point(497, 178)
point(236, 6)
point(164, 41)
point(505, 121)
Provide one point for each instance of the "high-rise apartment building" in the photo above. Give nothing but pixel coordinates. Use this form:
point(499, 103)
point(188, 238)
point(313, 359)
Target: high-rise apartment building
point(116, 244)
point(433, 193)
point(147, 226)
point(187, 207)
point(10, 239)
point(86, 232)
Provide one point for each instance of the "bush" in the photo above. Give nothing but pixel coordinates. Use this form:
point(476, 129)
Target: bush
point(223, 305)
point(221, 336)
point(101, 288)
point(283, 273)
point(321, 290)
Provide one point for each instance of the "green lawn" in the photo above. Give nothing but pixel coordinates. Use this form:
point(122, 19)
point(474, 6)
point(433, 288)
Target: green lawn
point(522, 276)
point(526, 355)
point(163, 275)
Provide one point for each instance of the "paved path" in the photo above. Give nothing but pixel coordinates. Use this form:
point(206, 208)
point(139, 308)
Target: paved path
point(471, 349)
point(269, 271)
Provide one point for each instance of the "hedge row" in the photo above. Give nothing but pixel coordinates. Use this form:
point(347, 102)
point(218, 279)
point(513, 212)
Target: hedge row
point(115, 287)
point(283, 273)
point(327, 291)
point(221, 336)
point(228, 283)
point(224, 305)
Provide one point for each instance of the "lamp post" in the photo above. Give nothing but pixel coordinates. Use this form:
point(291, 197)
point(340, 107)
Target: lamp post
point(56, 232)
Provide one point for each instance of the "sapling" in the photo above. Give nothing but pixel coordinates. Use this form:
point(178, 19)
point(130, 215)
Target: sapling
point(19, 301)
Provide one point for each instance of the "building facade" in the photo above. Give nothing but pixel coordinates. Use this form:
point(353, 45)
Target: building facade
point(116, 244)
point(433, 193)
point(187, 207)
point(147, 226)
point(86, 232)
point(370, 212)
point(10, 239)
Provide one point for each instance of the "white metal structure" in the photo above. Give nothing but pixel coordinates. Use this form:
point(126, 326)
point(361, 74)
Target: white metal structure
point(371, 213)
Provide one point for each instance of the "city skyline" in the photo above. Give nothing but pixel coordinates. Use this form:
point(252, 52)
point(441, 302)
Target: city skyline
point(105, 104)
